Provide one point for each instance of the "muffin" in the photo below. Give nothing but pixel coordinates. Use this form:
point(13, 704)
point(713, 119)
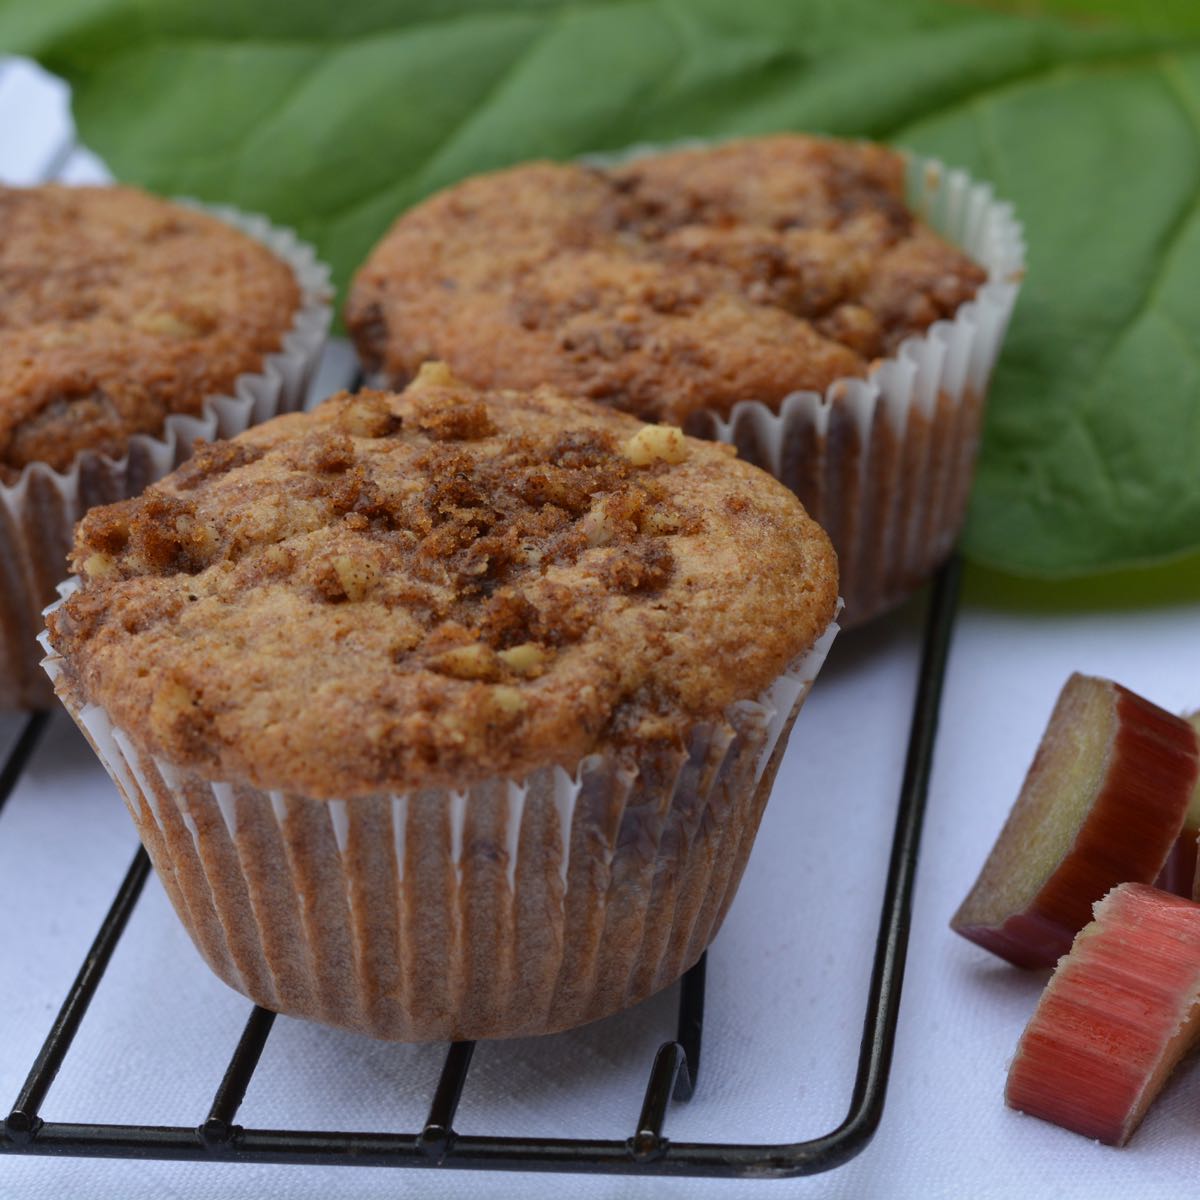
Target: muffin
point(449, 714)
point(751, 291)
point(129, 327)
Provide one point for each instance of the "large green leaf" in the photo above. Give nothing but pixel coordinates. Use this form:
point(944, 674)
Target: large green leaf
point(334, 117)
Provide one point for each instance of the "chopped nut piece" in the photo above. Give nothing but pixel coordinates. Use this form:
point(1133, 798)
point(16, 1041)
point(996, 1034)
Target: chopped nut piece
point(404, 640)
point(434, 374)
point(165, 323)
point(472, 661)
point(357, 576)
point(369, 417)
point(655, 443)
point(596, 525)
point(172, 702)
point(204, 537)
point(661, 521)
point(100, 566)
point(526, 659)
point(507, 699)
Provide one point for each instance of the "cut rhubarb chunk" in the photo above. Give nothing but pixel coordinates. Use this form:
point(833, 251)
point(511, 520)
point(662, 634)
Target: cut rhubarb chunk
point(1189, 840)
point(1181, 874)
point(1103, 803)
point(1121, 1010)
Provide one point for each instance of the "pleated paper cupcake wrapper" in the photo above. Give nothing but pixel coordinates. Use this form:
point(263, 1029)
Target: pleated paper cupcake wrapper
point(38, 513)
point(506, 909)
point(884, 464)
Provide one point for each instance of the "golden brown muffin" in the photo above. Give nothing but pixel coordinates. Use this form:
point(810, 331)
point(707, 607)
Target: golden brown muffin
point(129, 328)
point(117, 309)
point(449, 714)
point(757, 292)
point(675, 284)
point(430, 589)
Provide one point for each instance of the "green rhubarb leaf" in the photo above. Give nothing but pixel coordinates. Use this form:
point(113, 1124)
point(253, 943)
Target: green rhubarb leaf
point(333, 118)
point(1092, 453)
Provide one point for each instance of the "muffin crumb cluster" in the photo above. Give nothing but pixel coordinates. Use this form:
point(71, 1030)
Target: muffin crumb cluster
point(682, 281)
point(444, 581)
point(99, 341)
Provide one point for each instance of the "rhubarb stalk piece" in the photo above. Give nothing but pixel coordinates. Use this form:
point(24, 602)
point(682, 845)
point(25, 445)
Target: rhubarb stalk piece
point(1121, 1010)
point(1103, 803)
point(1187, 849)
point(1181, 874)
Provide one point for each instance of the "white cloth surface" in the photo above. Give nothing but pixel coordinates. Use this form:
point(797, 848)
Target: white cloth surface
point(787, 975)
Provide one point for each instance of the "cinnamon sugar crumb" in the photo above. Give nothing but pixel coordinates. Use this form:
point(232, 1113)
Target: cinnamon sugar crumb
point(673, 283)
point(401, 591)
point(118, 309)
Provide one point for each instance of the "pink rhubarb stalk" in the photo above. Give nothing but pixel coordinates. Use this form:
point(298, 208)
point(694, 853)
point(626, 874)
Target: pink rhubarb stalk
point(1103, 803)
point(1119, 1012)
point(1181, 874)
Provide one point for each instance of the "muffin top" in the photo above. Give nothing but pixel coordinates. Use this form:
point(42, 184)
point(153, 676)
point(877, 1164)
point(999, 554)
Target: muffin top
point(116, 309)
point(676, 282)
point(429, 589)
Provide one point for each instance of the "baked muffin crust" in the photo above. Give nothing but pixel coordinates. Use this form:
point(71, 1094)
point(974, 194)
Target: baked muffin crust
point(434, 588)
point(676, 282)
point(116, 309)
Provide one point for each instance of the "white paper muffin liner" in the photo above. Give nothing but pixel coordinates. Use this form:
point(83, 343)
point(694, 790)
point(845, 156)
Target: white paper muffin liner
point(505, 909)
point(39, 511)
point(884, 464)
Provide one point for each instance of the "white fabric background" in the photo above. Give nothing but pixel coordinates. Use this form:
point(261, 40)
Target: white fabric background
point(787, 976)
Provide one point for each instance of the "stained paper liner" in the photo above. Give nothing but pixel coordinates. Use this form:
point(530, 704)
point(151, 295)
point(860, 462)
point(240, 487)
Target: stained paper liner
point(38, 513)
point(884, 464)
point(506, 909)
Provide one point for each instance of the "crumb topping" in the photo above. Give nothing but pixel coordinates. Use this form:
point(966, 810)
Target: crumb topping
point(398, 591)
point(116, 309)
point(677, 282)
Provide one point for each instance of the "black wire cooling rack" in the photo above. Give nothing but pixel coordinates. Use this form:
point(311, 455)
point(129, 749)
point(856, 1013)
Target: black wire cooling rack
point(673, 1073)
